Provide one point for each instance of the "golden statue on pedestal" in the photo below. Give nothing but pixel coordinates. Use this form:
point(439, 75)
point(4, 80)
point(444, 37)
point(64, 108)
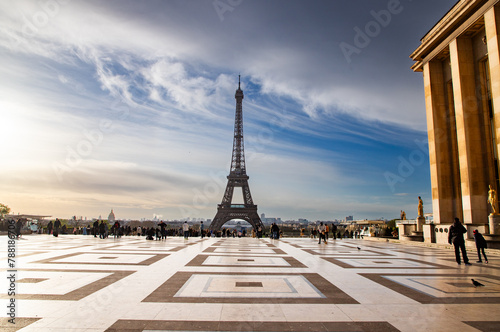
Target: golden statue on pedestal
point(492, 199)
point(420, 207)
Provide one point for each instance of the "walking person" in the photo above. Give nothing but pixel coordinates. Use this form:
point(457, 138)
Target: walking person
point(19, 226)
point(275, 231)
point(185, 228)
point(202, 230)
point(480, 246)
point(321, 232)
point(163, 230)
point(57, 224)
point(116, 228)
point(95, 228)
point(456, 237)
point(102, 230)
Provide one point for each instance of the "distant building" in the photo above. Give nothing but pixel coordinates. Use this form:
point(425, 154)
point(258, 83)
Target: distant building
point(111, 217)
point(268, 221)
point(349, 218)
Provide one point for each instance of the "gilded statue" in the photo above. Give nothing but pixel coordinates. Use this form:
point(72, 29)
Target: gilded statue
point(420, 207)
point(492, 199)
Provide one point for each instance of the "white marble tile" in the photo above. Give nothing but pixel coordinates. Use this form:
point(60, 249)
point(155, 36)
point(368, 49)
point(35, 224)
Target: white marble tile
point(255, 286)
point(109, 258)
point(252, 312)
point(314, 313)
point(446, 286)
point(245, 261)
point(384, 262)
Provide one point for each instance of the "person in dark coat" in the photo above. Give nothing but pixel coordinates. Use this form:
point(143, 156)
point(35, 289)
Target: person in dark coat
point(57, 225)
point(456, 237)
point(163, 229)
point(49, 227)
point(480, 245)
point(275, 231)
point(95, 228)
point(116, 228)
point(19, 226)
point(102, 230)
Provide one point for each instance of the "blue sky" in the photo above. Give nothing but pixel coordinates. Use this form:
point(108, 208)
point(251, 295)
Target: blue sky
point(130, 106)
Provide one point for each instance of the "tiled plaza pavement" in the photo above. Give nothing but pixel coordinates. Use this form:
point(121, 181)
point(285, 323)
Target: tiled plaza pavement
point(82, 283)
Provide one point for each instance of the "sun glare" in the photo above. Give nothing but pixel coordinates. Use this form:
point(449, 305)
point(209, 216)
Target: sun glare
point(18, 132)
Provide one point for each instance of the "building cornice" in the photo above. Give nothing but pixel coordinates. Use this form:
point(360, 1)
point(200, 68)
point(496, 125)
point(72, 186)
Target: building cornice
point(453, 24)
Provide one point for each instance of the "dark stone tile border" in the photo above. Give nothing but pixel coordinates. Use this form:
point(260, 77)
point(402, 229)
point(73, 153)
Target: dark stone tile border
point(345, 265)
point(276, 251)
point(428, 253)
point(428, 299)
point(30, 280)
point(222, 243)
point(354, 253)
point(485, 326)
point(164, 325)
point(198, 261)
point(79, 293)
point(293, 244)
point(21, 322)
point(177, 247)
point(165, 293)
point(117, 247)
point(149, 261)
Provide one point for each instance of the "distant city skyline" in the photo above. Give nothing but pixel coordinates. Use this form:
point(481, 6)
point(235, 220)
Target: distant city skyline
point(130, 106)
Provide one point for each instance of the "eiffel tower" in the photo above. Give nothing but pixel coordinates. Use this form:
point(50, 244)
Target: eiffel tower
point(237, 178)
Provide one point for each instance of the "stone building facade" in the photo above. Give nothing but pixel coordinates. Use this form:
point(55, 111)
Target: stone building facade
point(460, 62)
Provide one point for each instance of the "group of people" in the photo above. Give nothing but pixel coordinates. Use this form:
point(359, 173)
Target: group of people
point(54, 228)
point(456, 237)
point(323, 230)
point(102, 230)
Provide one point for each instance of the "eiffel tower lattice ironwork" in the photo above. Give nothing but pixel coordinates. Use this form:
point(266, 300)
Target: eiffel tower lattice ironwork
point(237, 178)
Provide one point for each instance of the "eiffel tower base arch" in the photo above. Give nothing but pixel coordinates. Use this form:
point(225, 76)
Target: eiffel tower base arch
point(227, 213)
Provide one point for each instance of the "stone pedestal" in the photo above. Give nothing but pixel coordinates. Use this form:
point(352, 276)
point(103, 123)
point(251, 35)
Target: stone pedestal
point(429, 233)
point(408, 232)
point(420, 224)
point(494, 221)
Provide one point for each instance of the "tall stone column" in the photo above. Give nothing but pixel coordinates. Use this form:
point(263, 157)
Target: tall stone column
point(442, 137)
point(471, 148)
point(492, 27)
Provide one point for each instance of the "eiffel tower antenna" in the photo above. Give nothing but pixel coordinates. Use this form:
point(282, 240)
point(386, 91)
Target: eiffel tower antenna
point(237, 178)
